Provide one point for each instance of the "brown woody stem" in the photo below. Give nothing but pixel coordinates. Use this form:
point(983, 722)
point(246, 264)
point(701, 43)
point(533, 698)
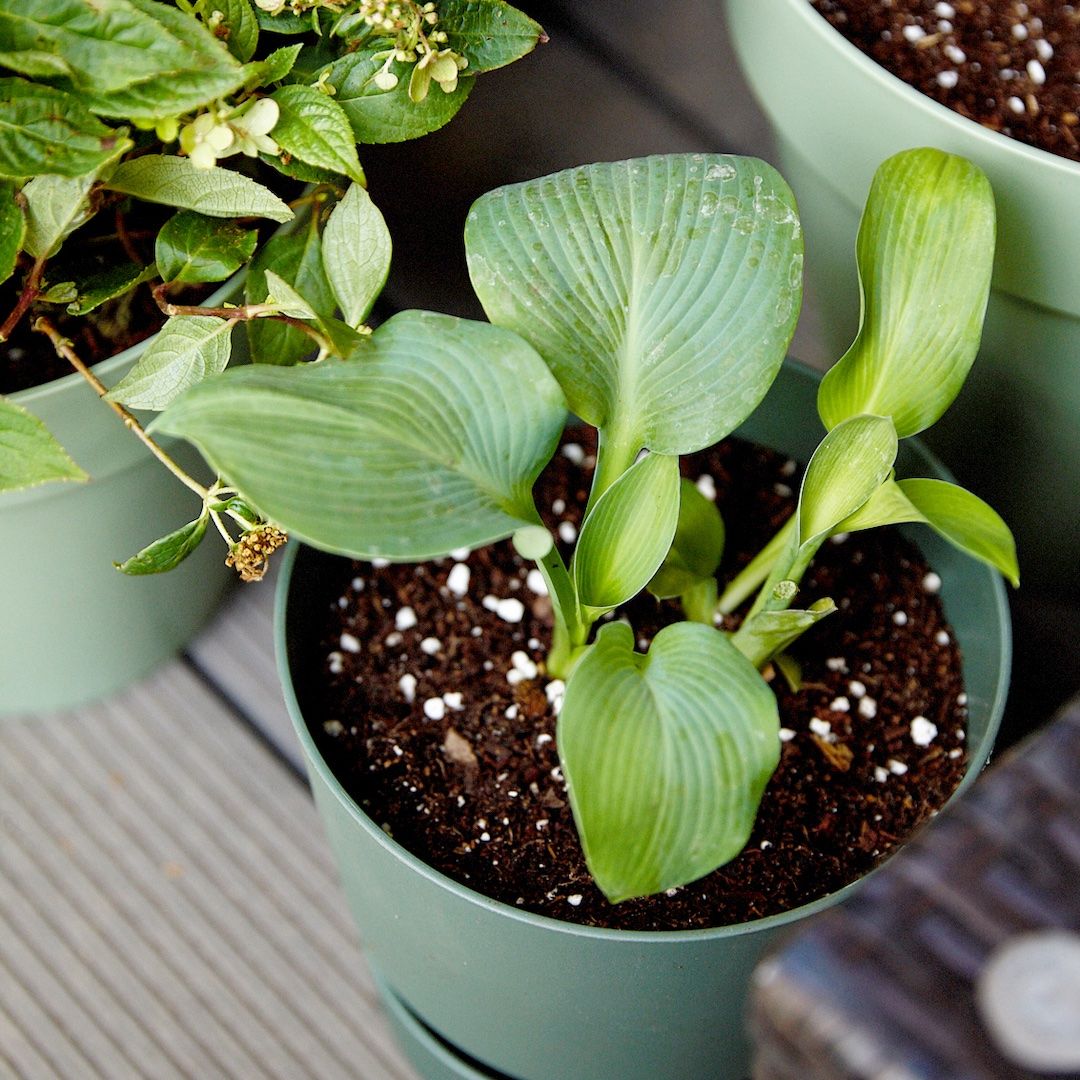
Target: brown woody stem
point(31, 291)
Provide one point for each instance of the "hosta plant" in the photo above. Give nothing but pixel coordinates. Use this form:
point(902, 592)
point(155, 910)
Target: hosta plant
point(143, 143)
point(654, 299)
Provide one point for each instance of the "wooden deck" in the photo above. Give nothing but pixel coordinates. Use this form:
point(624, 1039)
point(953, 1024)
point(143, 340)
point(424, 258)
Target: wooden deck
point(168, 907)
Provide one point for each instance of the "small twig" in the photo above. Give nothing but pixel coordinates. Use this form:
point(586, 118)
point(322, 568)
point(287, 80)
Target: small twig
point(64, 349)
point(125, 238)
point(31, 291)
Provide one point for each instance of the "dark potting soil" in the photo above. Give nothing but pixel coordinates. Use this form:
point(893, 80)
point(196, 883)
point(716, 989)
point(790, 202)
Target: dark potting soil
point(1011, 66)
point(437, 717)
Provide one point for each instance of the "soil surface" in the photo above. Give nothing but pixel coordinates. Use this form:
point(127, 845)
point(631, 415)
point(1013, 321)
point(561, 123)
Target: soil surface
point(436, 715)
point(1009, 65)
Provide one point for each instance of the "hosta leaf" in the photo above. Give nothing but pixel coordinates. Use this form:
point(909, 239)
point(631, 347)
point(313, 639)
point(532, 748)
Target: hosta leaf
point(12, 229)
point(314, 128)
point(429, 439)
point(356, 254)
point(29, 453)
point(185, 351)
point(194, 68)
point(108, 45)
point(488, 33)
point(296, 258)
point(95, 289)
point(666, 756)
point(240, 27)
point(698, 545)
point(662, 292)
point(168, 552)
point(215, 192)
point(925, 252)
point(766, 633)
point(45, 131)
point(192, 248)
point(388, 116)
point(628, 532)
point(849, 465)
point(965, 521)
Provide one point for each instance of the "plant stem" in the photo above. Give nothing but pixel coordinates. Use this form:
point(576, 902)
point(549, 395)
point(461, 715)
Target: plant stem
point(63, 349)
point(699, 602)
point(30, 293)
point(615, 453)
point(570, 633)
point(757, 570)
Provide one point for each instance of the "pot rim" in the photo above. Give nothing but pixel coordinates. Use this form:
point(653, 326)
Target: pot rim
point(995, 142)
point(979, 756)
point(817, 25)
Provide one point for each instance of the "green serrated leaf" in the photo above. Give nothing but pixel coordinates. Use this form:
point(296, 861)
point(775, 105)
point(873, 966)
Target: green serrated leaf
point(849, 465)
point(356, 254)
point(662, 291)
point(286, 22)
point(627, 533)
point(95, 289)
point(314, 128)
point(186, 350)
point(766, 633)
point(12, 230)
point(45, 131)
point(216, 192)
point(29, 453)
point(925, 252)
point(168, 552)
point(388, 116)
point(488, 33)
point(191, 248)
point(696, 549)
point(239, 28)
point(666, 756)
point(296, 258)
point(274, 68)
point(429, 439)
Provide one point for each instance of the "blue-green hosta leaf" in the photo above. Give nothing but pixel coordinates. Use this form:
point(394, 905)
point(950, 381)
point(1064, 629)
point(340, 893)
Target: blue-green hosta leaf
point(628, 532)
point(314, 128)
point(429, 439)
point(12, 229)
point(239, 28)
point(192, 248)
point(168, 552)
point(766, 633)
point(849, 465)
point(45, 131)
point(696, 550)
point(388, 116)
point(488, 33)
point(185, 351)
point(296, 258)
point(29, 453)
point(662, 292)
point(925, 252)
point(105, 46)
point(666, 756)
point(216, 192)
point(356, 254)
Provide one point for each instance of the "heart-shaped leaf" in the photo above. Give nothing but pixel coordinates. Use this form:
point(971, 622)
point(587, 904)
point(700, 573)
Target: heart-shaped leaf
point(662, 292)
point(666, 756)
point(849, 465)
point(356, 254)
point(429, 439)
point(185, 351)
point(696, 550)
point(29, 452)
point(925, 252)
point(627, 534)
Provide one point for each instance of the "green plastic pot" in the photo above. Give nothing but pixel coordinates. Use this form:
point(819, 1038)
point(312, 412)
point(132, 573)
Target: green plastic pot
point(74, 628)
point(539, 999)
point(1013, 435)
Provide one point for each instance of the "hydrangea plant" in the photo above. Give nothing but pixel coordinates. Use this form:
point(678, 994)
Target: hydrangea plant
point(211, 108)
point(654, 299)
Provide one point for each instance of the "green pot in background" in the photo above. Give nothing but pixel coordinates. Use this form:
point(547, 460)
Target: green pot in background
point(538, 999)
point(1013, 435)
point(72, 627)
